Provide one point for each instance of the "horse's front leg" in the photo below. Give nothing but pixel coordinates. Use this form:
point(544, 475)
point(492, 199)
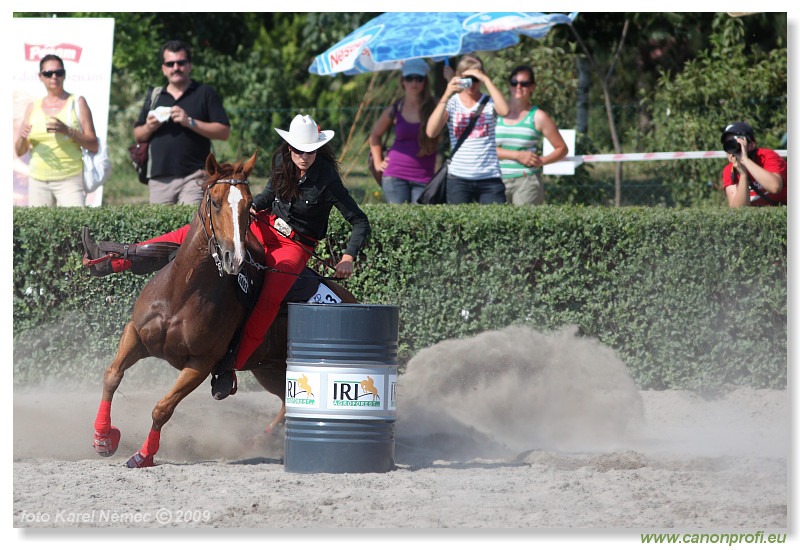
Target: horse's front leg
point(188, 380)
point(129, 351)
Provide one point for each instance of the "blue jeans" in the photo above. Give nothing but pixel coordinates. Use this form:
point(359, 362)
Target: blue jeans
point(398, 191)
point(488, 191)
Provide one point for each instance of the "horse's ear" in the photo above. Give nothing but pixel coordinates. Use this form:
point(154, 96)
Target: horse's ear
point(212, 167)
point(250, 164)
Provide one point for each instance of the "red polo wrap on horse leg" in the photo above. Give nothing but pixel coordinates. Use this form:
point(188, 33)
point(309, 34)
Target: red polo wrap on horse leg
point(288, 258)
point(151, 444)
point(102, 422)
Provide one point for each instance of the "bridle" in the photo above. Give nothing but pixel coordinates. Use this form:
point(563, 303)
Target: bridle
point(213, 246)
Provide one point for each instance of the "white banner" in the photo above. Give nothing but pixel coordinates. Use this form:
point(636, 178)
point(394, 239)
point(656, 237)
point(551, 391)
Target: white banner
point(85, 45)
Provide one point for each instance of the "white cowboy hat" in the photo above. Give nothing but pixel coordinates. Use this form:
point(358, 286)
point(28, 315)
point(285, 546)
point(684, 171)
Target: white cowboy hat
point(304, 134)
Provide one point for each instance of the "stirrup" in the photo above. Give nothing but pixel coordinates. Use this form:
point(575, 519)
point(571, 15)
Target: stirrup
point(223, 375)
point(223, 384)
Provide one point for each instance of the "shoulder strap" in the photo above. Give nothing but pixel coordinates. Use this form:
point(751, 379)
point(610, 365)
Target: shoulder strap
point(152, 97)
point(472, 121)
point(76, 110)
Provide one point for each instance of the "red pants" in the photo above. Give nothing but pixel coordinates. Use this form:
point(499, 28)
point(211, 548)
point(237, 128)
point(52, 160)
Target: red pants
point(286, 257)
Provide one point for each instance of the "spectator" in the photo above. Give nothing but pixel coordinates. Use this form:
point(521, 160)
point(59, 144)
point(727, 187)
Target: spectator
point(54, 132)
point(411, 161)
point(519, 141)
point(474, 171)
point(754, 176)
point(304, 187)
point(180, 138)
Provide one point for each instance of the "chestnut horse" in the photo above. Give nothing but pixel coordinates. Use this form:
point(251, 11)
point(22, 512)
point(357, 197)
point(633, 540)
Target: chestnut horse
point(188, 312)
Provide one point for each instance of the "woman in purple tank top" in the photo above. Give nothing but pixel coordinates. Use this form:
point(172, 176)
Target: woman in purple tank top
point(410, 162)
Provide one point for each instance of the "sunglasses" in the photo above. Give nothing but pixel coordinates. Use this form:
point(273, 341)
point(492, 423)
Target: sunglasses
point(179, 62)
point(300, 153)
point(58, 72)
point(524, 83)
point(414, 78)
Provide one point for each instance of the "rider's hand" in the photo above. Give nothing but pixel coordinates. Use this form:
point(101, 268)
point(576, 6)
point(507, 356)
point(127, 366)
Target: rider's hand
point(344, 269)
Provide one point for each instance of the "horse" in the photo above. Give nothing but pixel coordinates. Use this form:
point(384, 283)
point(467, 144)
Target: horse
point(189, 311)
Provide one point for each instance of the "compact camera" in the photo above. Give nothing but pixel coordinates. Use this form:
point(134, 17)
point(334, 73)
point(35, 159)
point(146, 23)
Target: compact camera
point(465, 82)
point(731, 146)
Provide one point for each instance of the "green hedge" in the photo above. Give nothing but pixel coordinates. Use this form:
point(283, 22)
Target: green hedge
point(693, 299)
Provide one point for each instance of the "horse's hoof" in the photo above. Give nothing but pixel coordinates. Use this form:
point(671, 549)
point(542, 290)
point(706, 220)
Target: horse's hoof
point(106, 445)
point(140, 461)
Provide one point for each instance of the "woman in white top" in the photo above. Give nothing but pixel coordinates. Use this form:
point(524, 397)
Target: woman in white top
point(519, 141)
point(474, 171)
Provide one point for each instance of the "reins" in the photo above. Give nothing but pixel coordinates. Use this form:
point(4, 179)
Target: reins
point(213, 246)
point(314, 254)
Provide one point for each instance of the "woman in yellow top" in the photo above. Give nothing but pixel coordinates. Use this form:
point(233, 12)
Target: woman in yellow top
point(54, 129)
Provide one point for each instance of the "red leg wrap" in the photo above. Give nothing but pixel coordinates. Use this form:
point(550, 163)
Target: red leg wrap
point(102, 422)
point(151, 445)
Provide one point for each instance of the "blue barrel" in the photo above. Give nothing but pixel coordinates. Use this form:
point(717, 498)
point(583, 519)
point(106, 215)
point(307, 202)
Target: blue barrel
point(341, 379)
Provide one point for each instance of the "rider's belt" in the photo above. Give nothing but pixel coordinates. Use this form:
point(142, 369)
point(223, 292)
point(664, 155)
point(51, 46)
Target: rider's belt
point(286, 230)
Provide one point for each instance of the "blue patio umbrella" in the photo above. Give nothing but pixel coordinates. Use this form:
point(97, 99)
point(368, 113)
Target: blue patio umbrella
point(390, 39)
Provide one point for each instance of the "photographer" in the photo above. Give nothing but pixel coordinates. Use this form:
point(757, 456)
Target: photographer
point(473, 174)
point(754, 176)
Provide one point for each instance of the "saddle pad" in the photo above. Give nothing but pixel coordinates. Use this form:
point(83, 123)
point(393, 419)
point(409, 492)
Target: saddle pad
point(309, 287)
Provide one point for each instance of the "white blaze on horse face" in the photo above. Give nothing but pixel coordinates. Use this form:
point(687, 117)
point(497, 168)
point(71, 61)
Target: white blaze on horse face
point(234, 198)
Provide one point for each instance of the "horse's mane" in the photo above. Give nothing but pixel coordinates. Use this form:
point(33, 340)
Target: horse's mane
point(226, 169)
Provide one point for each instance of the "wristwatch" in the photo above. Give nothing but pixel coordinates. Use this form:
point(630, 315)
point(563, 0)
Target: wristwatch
point(192, 123)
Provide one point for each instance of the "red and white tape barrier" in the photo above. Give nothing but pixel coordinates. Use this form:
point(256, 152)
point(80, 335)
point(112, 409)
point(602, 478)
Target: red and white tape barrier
point(653, 156)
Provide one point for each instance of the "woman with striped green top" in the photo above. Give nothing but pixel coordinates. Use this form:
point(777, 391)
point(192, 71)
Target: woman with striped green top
point(519, 137)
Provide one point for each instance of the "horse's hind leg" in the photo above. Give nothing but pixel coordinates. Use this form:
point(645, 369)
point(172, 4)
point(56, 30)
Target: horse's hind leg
point(130, 350)
point(273, 379)
point(188, 380)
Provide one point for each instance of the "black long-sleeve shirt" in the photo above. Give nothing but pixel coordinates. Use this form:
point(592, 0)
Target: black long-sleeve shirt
point(320, 190)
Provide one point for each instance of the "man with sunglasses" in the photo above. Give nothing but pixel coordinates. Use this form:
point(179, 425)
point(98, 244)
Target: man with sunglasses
point(179, 126)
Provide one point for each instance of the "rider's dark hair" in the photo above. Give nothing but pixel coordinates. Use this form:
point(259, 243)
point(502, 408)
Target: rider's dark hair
point(286, 174)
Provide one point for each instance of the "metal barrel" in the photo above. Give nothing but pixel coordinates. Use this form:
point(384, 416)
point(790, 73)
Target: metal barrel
point(341, 379)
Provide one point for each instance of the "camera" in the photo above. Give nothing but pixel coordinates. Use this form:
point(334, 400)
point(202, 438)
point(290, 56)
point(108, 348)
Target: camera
point(731, 146)
point(465, 82)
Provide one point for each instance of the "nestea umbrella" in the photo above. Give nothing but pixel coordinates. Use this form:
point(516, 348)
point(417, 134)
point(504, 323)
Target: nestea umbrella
point(390, 39)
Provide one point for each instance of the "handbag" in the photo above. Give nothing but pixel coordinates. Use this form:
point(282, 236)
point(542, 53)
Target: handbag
point(377, 174)
point(139, 152)
point(96, 166)
point(436, 190)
